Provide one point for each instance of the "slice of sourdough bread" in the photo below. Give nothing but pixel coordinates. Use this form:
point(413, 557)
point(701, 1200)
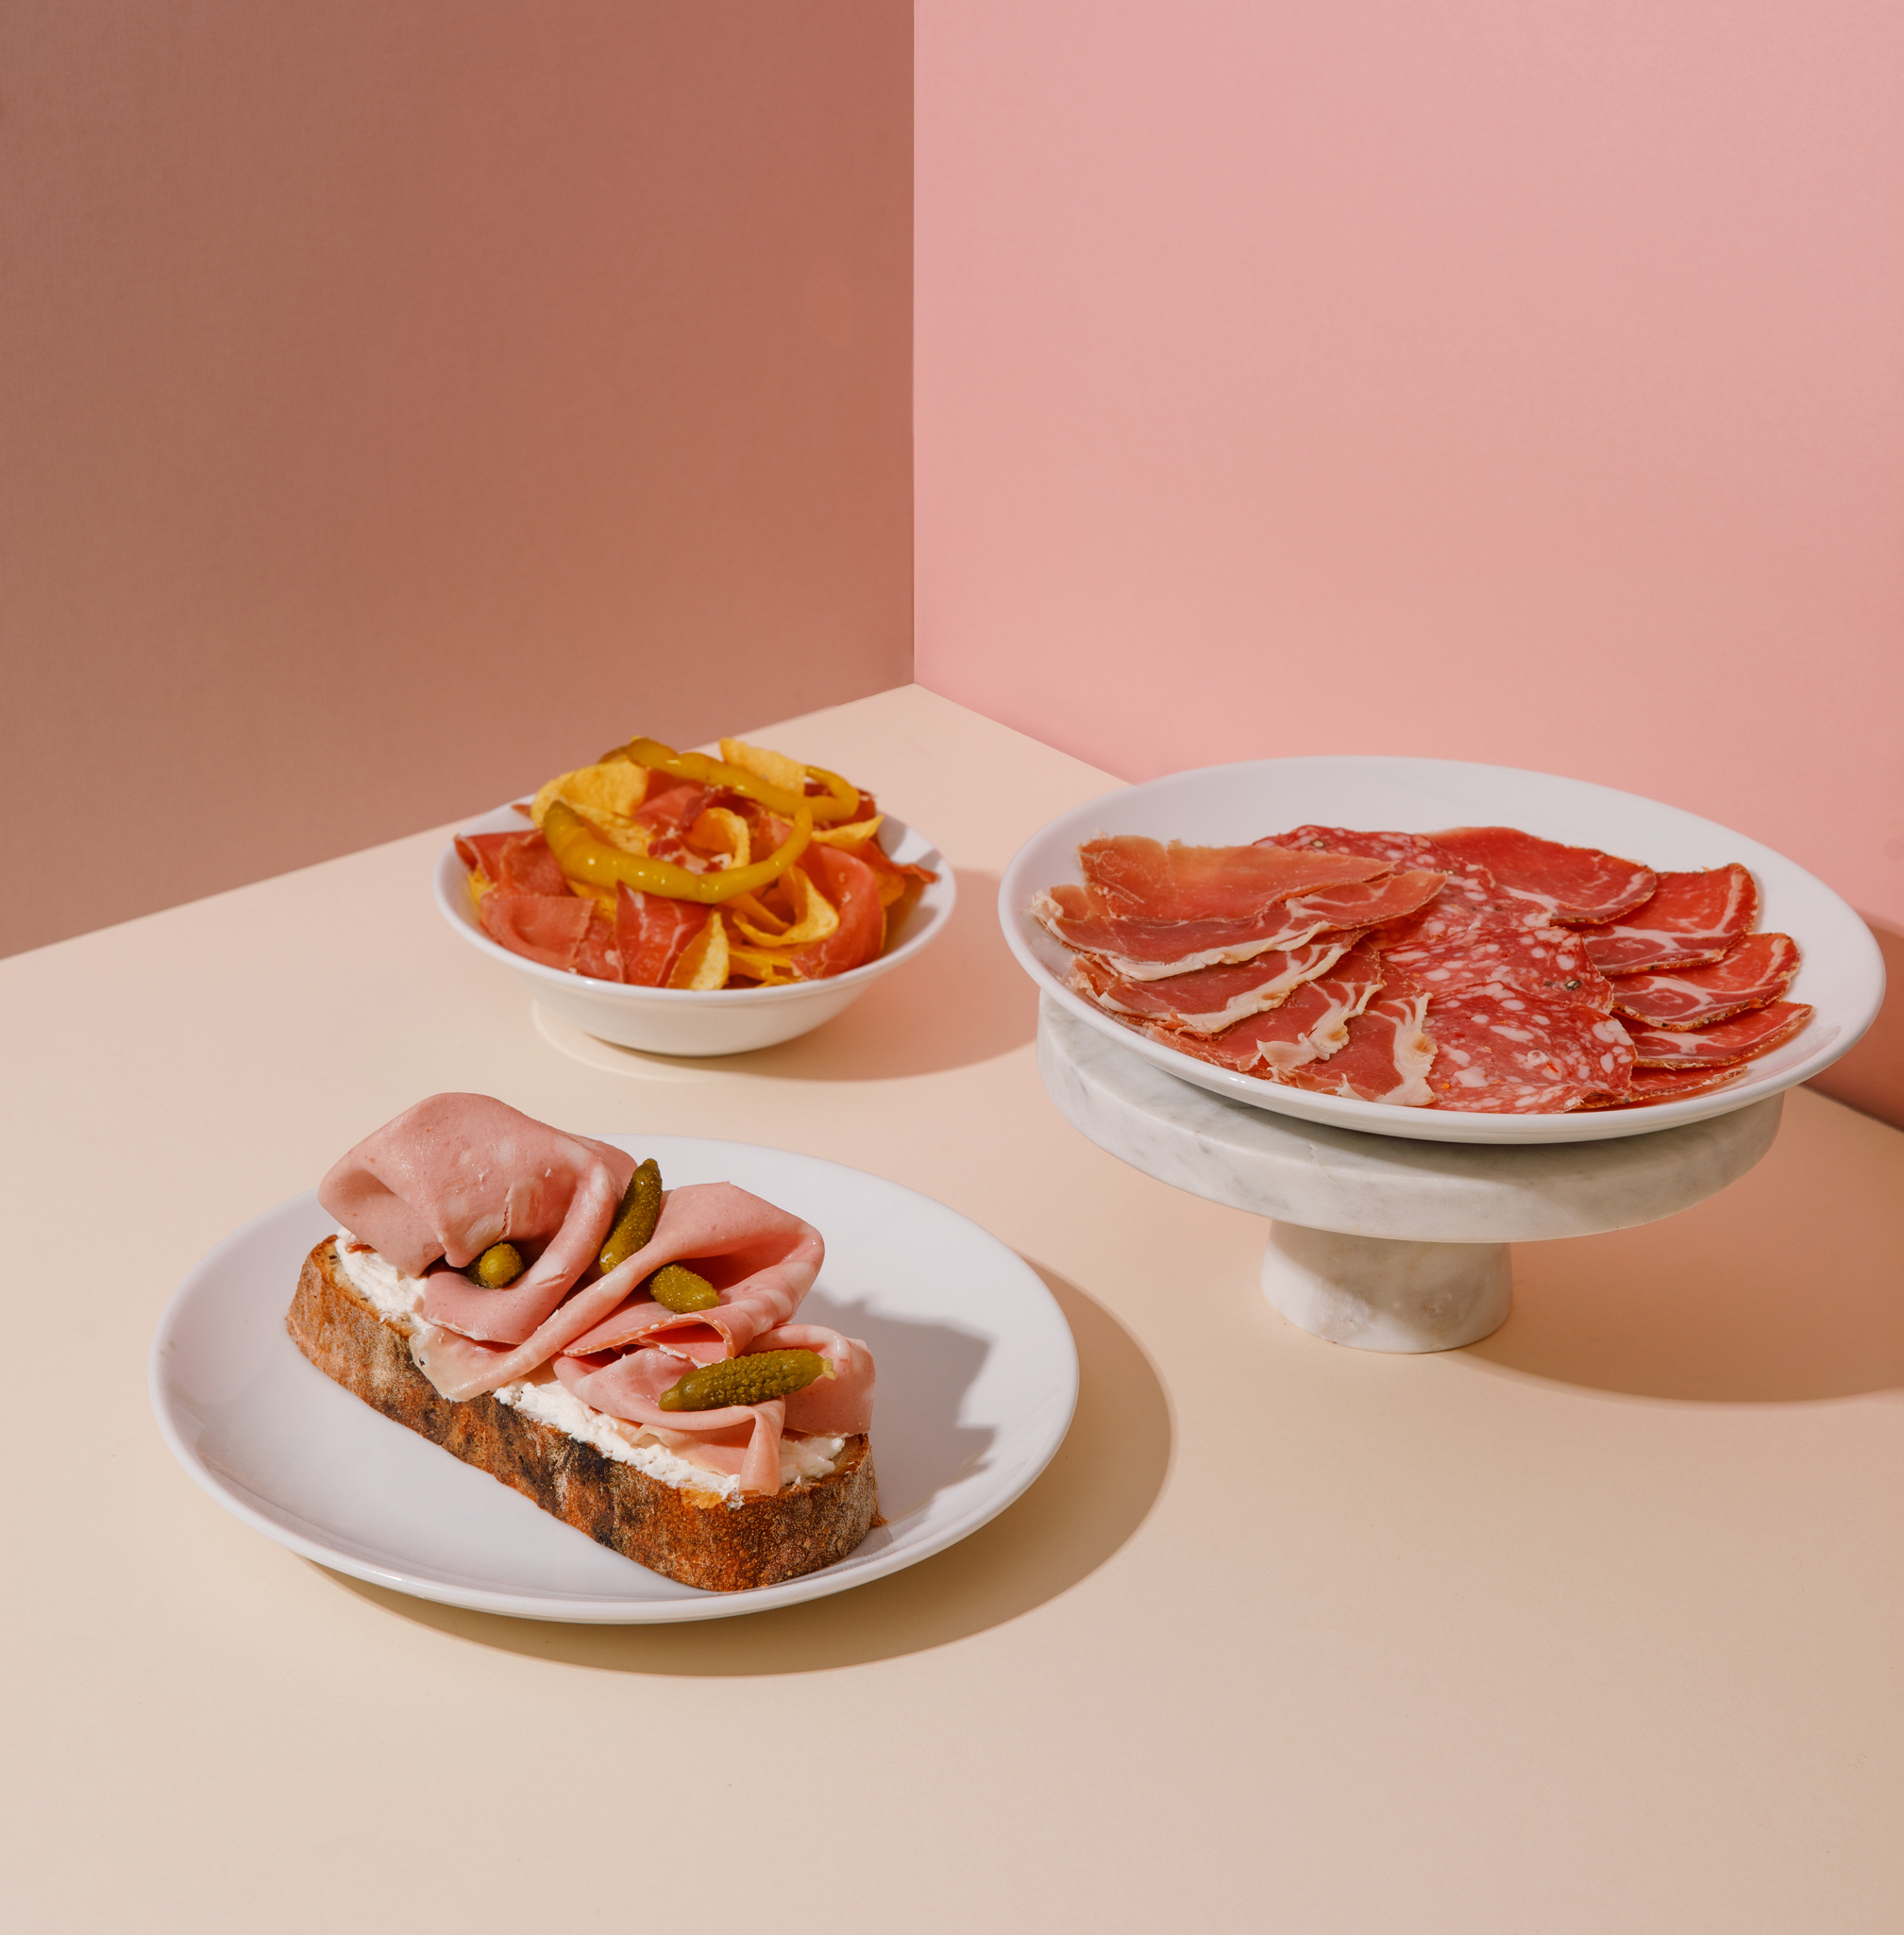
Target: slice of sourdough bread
point(698, 1538)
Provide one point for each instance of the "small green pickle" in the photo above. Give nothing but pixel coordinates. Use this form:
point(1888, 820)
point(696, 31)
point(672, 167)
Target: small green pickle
point(680, 1289)
point(634, 1220)
point(497, 1267)
point(745, 1380)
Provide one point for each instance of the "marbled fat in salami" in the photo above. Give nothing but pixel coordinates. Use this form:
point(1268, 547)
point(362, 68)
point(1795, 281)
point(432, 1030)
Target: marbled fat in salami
point(1692, 919)
point(1549, 962)
point(1501, 1050)
point(1569, 884)
point(1741, 1039)
point(1756, 972)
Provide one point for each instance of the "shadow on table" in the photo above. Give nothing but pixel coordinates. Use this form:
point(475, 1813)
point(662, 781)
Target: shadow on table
point(965, 999)
point(1089, 1501)
point(1786, 1288)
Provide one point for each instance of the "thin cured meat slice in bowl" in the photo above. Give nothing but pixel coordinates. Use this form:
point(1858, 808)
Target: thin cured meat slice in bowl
point(1841, 977)
point(711, 1021)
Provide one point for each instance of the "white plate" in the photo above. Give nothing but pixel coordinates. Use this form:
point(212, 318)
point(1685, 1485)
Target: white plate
point(705, 1021)
point(977, 1379)
point(1843, 975)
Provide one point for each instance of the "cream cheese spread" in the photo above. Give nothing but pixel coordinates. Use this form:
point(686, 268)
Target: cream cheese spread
point(397, 1297)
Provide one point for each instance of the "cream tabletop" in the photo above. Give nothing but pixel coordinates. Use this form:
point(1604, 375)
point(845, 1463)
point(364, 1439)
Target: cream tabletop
point(1593, 1626)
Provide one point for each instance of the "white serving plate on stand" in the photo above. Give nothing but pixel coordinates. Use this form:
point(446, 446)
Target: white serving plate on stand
point(1843, 975)
point(711, 1021)
point(978, 1377)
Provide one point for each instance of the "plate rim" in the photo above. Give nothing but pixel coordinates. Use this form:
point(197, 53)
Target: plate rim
point(449, 876)
point(1500, 1131)
point(1010, 1486)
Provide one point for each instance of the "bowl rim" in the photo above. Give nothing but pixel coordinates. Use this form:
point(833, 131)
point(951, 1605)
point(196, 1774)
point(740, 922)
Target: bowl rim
point(1851, 1019)
point(450, 885)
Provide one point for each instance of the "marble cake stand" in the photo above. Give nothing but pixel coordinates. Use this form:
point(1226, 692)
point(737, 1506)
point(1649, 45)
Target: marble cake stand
point(1376, 1241)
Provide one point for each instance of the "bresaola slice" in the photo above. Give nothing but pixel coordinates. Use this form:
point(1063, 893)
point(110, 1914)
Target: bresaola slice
point(1503, 1051)
point(1692, 919)
point(1141, 879)
point(1310, 1025)
point(1756, 972)
point(1565, 883)
point(1387, 1053)
point(1741, 1039)
point(1209, 999)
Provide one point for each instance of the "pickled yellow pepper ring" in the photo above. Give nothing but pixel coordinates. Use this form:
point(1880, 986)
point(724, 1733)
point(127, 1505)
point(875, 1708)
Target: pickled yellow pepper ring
point(839, 801)
point(584, 858)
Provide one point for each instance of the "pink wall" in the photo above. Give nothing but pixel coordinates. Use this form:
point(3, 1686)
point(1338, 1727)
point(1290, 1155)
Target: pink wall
point(1501, 379)
point(400, 400)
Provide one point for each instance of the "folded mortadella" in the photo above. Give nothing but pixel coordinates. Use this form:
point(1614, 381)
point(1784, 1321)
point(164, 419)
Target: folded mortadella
point(766, 1258)
point(457, 1173)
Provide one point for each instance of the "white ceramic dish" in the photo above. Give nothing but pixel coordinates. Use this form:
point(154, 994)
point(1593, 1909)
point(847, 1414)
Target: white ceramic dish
point(1843, 975)
point(715, 1021)
point(977, 1380)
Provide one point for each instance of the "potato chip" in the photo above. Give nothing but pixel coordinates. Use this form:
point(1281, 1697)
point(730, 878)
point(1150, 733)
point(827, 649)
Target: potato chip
point(770, 970)
point(704, 961)
point(600, 793)
point(850, 837)
point(816, 915)
point(757, 910)
point(479, 884)
point(720, 833)
point(776, 769)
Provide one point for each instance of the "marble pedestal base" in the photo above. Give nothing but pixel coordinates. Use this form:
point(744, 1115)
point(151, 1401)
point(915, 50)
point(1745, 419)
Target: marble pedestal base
point(1378, 1243)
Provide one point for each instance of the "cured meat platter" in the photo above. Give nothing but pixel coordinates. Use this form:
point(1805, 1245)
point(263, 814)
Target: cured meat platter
point(1811, 946)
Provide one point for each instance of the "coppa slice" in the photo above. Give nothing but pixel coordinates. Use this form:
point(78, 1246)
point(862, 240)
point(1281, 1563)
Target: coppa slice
point(1564, 883)
point(1388, 1054)
point(1313, 1024)
point(1737, 1040)
point(1550, 962)
point(1144, 878)
point(1499, 1050)
point(1149, 949)
point(1692, 919)
point(1666, 1085)
point(1757, 971)
point(1212, 999)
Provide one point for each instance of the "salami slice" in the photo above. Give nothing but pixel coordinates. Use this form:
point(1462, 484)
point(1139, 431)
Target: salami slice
point(1388, 1054)
point(1757, 971)
point(1570, 885)
point(1500, 1051)
point(1666, 1085)
point(1209, 1000)
point(1692, 919)
point(1740, 1039)
point(1312, 1024)
point(1550, 962)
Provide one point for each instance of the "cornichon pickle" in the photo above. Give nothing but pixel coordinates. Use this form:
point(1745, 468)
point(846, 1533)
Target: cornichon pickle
point(682, 1290)
point(498, 1266)
point(635, 1219)
point(744, 1380)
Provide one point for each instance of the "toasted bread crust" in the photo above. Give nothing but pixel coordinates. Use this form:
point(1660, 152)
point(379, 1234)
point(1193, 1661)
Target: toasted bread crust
point(693, 1536)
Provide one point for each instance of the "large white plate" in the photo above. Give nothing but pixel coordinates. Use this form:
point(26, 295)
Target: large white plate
point(1843, 975)
point(977, 1380)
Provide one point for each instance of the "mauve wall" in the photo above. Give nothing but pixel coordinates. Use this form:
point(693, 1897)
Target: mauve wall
point(399, 401)
point(1497, 379)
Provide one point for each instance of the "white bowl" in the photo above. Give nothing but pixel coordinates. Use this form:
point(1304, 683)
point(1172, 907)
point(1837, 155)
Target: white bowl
point(701, 1021)
point(1843, 975)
